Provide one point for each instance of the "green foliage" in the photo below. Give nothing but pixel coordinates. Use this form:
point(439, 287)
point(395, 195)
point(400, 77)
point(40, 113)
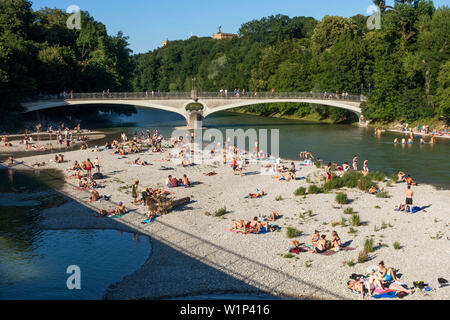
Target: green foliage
point(363, 256)
point(220, 212)
point(313, 189)
point(341, 198)
point(382, 194)
point(365, 183)
point(348, 210)
point(292, 232)
point(278, 198)
point(368, 245)
point(355, 220)
point(396, 245)
point(300, 191)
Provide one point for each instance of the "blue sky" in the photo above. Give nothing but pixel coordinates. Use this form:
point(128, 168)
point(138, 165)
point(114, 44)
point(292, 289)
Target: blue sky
point(148, 22)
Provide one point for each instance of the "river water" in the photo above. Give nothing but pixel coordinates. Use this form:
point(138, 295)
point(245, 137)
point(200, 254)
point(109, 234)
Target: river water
point(426, 163)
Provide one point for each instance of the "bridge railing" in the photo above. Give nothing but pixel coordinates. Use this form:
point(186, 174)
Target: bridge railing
point(282, 95)
point(187, 95)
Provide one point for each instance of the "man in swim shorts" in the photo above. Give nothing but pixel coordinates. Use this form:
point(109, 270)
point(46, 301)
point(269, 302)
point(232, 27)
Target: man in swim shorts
point(409, 200)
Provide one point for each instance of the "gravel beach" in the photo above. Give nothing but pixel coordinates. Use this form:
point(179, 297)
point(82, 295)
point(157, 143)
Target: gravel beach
point(194, 253)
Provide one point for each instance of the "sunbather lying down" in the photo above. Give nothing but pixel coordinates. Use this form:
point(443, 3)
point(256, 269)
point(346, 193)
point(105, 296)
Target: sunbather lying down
point(384, 278)
point(374, 190)
point(257, 194)
point(253, 226)
point(273, 216)
point(116, 212)
point(212, 173)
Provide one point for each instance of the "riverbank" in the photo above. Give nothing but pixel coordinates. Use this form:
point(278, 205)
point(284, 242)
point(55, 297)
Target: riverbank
point(193, 253)
point(44, 141)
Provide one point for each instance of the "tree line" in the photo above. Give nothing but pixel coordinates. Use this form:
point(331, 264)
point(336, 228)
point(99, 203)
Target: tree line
point(403, 68)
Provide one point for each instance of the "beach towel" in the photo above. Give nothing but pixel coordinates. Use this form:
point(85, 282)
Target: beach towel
point(146, 221)
point(389, 294)
point(300, 178)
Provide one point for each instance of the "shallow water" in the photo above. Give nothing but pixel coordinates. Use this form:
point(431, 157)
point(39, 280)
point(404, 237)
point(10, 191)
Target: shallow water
point(33, 262)
point(38, 271)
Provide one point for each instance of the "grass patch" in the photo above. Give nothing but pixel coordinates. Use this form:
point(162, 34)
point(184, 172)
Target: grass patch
point(335, 223)
point(343, 222)
point(355, 220)
point(292, 232)
point(396, 245)
point(348, 210)
point(220, 212)
point(377, 176)
point(377, 207)
point(363, 256)
point(350, 263)
point(341, 198)
point(207, 213)
point(313, 189)
point(288, 255)
point(308, 263)
point(352, 231)
point(382, 194)
point(300, 191)
point(368, 245)
point(278, 198)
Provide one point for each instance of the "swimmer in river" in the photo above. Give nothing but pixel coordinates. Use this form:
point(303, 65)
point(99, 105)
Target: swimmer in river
point(355, 163)
point(395, 140)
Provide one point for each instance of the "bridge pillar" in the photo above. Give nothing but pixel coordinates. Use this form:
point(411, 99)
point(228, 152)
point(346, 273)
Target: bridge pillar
point(194, 119)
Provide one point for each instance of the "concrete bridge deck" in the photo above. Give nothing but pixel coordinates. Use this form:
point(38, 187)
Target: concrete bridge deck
point(195, 106)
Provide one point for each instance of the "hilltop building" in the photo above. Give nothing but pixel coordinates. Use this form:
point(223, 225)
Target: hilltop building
point(220, 35)
point(164, 43)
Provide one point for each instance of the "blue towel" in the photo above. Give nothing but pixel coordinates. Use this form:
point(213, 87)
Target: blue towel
point(390, 294)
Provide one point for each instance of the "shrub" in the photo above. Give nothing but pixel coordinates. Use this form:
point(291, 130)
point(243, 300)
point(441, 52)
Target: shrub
point(363, 256)
point(334, 183)
point(278, 198)
point(382, 194)
point(393, 177)
point(368, 245)
point(343, 222)
point(350, 179)
point(300, 191)
point(341, 198)
point(396, 245)
point(355, 220)
point(377, 176)
point(313, 189)
point(365, 183)
point(351, 230)
point(292, 232)
point(348, 210)
point(318, 164)
point(220, 212)
point(310, 213)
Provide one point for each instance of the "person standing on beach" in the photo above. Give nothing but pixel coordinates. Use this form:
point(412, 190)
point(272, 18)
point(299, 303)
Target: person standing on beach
point(97, 164)
point(355, 163)
point(134, 191)
point(89, 166)
point(409, 198)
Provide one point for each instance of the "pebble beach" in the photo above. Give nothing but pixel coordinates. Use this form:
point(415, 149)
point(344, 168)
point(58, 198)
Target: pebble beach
point(194, 253)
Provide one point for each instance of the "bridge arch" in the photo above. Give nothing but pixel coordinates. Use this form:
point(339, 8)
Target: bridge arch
point(36, 106)
point(346, 105)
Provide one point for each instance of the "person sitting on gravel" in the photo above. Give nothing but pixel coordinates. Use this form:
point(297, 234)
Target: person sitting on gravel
point(320, 246)
point(315, 237)
point(410, 181)
point(374, 190)
point(75, 166)
point(385, 275)
point(335, 242)
point(94, 196)
point(117, 212)
point(185, 181)
point(401, 176)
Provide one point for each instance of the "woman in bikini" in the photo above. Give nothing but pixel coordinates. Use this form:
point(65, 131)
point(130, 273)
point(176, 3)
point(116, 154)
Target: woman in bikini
point(335, 242)
point(355, 163)
point(134, 192)
point(315, 237)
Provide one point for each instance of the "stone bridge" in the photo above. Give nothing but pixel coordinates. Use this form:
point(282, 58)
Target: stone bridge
point(195, 106)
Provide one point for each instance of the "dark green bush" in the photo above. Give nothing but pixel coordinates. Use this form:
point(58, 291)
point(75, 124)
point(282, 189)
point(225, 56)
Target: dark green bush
point(341, 198)
point(300, 191)
point(313, 189)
